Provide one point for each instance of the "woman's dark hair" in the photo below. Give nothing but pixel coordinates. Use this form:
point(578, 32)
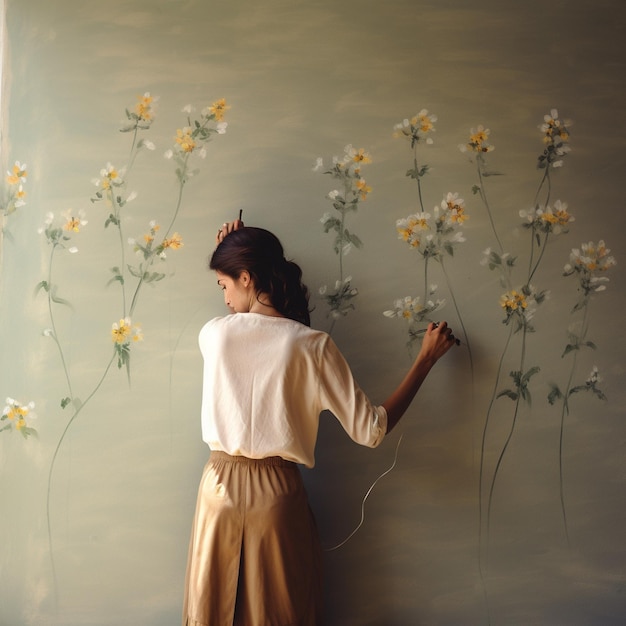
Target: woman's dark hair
point(260, 253)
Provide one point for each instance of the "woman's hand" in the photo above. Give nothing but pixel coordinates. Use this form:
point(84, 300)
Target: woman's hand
point(226, 229)
point(437, 340)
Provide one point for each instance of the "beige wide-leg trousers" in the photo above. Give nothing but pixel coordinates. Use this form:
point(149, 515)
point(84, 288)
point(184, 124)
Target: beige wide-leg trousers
point(254, 554)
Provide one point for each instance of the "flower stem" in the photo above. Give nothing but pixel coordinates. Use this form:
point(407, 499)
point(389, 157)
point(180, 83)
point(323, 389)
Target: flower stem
point(77, 411)
point(53, 325)
point(532, 269)
point(545, 179)
point(418, 178)
point(483, 195)
point(509, 436)
point(179, 201)
point(458, 313)
point(482, 449)
point(564, 414)
point(123, 260)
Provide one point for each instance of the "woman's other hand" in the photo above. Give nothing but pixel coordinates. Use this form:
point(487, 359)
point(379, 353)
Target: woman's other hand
point(226, 229)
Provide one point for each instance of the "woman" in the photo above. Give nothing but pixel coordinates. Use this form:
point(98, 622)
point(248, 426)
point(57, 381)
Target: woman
point(254, 555)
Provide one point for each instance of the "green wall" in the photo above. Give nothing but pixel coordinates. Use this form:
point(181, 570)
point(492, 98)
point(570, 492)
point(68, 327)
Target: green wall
point(469, 526)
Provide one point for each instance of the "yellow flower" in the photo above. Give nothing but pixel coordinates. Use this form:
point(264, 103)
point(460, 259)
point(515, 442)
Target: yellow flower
point(185, 140)
point(513, 300)
point(143, 108)
point(110, 176)
point(72, 224)
point(218, 109)
point(424, 122)
point(360, 156)
point(174, 242)
point(420, 221)
point(17, 174)
point(120, 332)
point(17, 413)
point(137, 334)
point(404, 233)
point(458, 216)
point(363, 188)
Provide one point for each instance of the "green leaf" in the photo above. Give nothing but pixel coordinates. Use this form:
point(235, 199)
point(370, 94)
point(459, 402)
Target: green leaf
point(65, 402)
point(117, 275)
point(111, 220)
point(153, 277)
point(555, 394)
point(599, 394)
point(58, 300)
point(42, 285)
point(577, 389)
point(531, 372)
point(508, 393)
point(353, 239)
point(568, 348)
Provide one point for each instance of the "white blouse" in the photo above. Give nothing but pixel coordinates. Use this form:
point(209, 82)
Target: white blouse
point(266, 381)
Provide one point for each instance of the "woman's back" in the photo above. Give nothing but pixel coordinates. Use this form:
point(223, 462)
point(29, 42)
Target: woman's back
point(266, 380)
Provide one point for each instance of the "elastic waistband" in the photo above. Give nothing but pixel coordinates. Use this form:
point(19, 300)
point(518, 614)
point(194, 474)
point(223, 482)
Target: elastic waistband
point(218, 455)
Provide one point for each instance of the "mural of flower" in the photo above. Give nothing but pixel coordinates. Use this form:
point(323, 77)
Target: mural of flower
point(548, 220)
point(478, 141)
point(589, 263)
point(111, 184)
point(18, 416)
point(418, 128)
point(352, 190)
point(556, 139)
point(15, 192)
point(74, 221)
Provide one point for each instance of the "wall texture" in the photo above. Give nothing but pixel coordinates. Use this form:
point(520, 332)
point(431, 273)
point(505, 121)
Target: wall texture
point(505, 504)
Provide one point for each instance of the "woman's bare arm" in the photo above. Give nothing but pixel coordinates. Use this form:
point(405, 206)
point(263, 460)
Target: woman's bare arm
point(437, 340)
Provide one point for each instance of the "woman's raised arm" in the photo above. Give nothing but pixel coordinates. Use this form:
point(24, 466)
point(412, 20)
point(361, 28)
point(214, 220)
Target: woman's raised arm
point(437, 340)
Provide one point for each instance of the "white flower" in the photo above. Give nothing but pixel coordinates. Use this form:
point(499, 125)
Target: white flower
point(187, 109)
point(319, 164)
point(322, 290)
point(168, 154)
point(594, 377)
point(333, 194)
point(221, 127)
point(72, 250)
point(458, 237)
point(49, 219)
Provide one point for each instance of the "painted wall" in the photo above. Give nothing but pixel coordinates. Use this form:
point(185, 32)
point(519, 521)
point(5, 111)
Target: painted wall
point(501, 508)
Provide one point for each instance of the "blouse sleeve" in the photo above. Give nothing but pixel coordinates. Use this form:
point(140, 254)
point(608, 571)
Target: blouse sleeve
point(365, 423)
